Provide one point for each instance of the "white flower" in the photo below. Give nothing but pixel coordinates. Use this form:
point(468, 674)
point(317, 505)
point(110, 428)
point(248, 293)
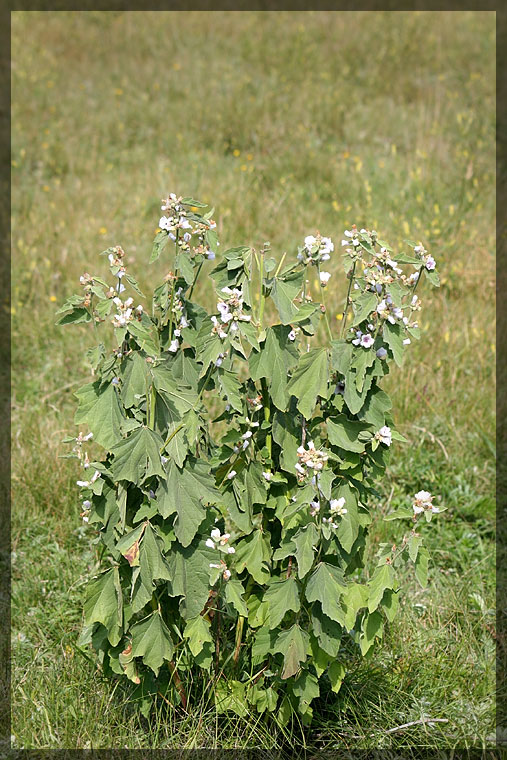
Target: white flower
point(166, 223)
point(248, 434)
point(298, 467)
point(129, 301)
point(231, 474)
point(96, 475)
point(423, 500)
point(226, 574)
point(210, 255)
point(384, 435)
point(337, 506)
point(209, 543)
point(430, 263)
point(406, 342)
point(367, 340)
point(214, 564)
point(326, 246)
point(267, 476)
point(87, 504)
point(82, 483)
point(184, 223)
point(314, 508)
point(87, 436)
point(115, 381)
point(174, 346)
point(215, 534)
point(292, 335)
point(231, 550)
point(310, 241)
point(325, 277)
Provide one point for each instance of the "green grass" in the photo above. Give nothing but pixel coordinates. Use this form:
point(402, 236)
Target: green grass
point(288, 123)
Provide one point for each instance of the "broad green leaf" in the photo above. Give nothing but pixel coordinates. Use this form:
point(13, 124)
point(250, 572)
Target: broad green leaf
point(186, 267)
point(282, 596)
point(190, 571)
point(414, 543)
point(354, 599)
point(336, 673)
point(341, 355)
point(305, 540)
point(326, 585)
point(390, 604)
point(352, 397)
point(363, 307)
point(348, 526)
point(230, 695)
point(283, 292)
point(309, 380)
point(287, 434)
point(151, 559)
point(185, 491)
point(103, 604)
point(146, 335)
point(276, 357)
point(230, 388)
point(376, 405)
point(128, 545)
point(137, 457)
point(75, 317)
point(372, 627)
point(293, 645)
point(152, 641)
point(327, 631)
point(181, 395)
point(134, 371)
point(382, 578)
point(100, 409)
point(344, 433)
point(197, 631)
point(433, 277)
point(159, 243)
point(393, 336)
point(305, 688)
point(254, 553)
point(263, 643)
point(209, 346)
point(234, 595)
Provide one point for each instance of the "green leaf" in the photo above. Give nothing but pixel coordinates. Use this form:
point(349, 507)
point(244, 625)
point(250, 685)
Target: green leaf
point(354, 599)
point(309, 380)
point(328, 631)
point(185, 266)
point(254, 553)
point(282, 596)
point(152, 641)
point(348, 527)
point(103, 604)
point(152, 562)
point(190, 571)
point(134, 373)
point(336, 673)
point(341, 355)
point(230, 388)
point(363, 307)
point(305, 688)
point(137, 457)
point(99, 407)
point(234, 595)
point(390, 604)
point(276, 357)
point(197, 631)
point(230, 695)
point(146, 335)
point(393, 336)
point(305, 539)
point(128, 545)
point(372, 627)
point(414, 543)
point(433, 277)
point(293, 645)
point(382, 578)
point(159, 243)
point(376, 406)
point(283, 292)
point(344, 433)
point(287, 434)
point(75, 317)
point(185, 491)
point(326, 585)
point(208, 346)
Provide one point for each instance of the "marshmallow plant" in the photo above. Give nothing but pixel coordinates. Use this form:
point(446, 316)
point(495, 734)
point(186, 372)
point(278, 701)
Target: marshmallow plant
point(232, 502)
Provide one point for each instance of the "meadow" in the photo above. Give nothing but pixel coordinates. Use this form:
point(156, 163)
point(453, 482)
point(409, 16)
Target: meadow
point(288, 123)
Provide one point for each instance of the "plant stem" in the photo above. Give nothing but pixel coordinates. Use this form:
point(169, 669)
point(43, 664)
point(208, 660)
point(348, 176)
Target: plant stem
point(323, 300)
point(178, 684)
point(267, 414)
point(347, 301)
point(262, 297)
point(195, 280)
point(239, 636)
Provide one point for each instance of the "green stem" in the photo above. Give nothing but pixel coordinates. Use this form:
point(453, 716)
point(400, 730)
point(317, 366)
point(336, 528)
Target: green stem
point(195, 280)
point(323, 300)
point(262, 297)
point(347, 300)
point(267, 414)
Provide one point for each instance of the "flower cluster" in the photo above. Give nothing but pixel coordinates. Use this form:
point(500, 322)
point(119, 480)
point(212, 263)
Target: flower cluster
point(231, 312)
point(310, 458)
point(125, 312)
point(219, 541)
point(384, 435)
point(363, 339)
point(177, 221)
point(316, 248)
point(422, 501)
point(429, 261)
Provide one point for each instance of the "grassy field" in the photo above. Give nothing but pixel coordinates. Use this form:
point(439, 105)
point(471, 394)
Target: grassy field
point(287, 122)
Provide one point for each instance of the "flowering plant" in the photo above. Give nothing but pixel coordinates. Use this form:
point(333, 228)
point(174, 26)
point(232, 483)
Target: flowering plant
point(233, 501)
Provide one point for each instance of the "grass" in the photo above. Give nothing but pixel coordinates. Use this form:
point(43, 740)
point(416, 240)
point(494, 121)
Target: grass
point(288, 122)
